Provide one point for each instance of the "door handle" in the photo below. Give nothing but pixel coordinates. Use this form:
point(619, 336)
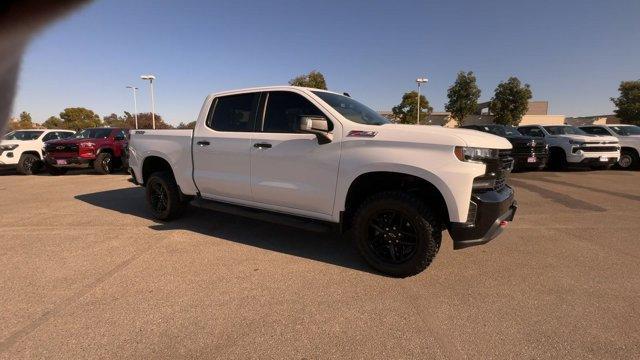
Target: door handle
point(203, 143)
point(262, 145)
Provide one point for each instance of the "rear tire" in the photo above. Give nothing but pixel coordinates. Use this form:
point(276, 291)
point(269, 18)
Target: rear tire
point(103, 164)
point(163, 196)
point(28, 164)
point(55, 171)
point(396, 233)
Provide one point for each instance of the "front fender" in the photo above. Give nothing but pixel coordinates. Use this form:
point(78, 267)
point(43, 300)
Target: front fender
point(453, 182)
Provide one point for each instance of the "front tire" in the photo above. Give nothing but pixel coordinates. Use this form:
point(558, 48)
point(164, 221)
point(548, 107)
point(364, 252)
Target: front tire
point(629, 160)
point(163, 196)
point(396, 233)
point(557, 159)
point(103, 164)
point(28, 164)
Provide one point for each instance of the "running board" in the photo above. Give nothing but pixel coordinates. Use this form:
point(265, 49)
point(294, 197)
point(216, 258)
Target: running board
point(265, 215)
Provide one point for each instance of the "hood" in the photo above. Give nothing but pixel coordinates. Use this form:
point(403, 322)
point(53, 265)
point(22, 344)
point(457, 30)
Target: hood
point(11, 142)
point(588, 138)
point(441, 135)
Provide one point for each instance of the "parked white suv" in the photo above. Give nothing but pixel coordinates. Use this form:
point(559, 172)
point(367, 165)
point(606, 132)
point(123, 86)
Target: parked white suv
point(316, 159)
point(22, 149)
point(629, 137)
point(570, 146)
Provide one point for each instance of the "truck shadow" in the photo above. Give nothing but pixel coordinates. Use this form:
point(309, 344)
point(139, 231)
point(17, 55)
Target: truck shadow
point(330, 248)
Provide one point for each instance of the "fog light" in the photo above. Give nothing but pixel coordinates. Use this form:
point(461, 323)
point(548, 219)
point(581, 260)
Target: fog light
point(9, 154)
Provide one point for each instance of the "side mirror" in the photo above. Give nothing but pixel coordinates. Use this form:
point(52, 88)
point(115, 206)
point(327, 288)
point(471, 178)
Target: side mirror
point(317, 125)
point(118, 138)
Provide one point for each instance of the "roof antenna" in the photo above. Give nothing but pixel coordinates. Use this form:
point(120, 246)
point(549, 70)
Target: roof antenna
point(346, 94)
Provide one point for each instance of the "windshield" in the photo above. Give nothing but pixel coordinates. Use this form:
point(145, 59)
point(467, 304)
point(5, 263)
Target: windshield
point(626, 130)
point(501, 130)
point(93, 134)
point(23, 135)
point(564, 130)
point(352, 109)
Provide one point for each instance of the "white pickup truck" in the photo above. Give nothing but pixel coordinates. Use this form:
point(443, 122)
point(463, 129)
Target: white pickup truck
point(316, 159)
point(570, 146)
point(629, 136)
point(22, 149)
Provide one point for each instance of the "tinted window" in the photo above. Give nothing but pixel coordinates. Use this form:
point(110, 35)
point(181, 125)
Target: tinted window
point(94, 134)
point(234, 113)
point(564, 130)
point(283, 110)
point(50, 136)
point(595, 130)
point(535, 132)
point(65, 134)
point(23, 135)
point(626, 130)
point(352, 109)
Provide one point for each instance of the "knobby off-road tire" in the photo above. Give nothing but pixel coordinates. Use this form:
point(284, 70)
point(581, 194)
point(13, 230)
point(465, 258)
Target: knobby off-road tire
point(396, 233)
point(163, 196)
point(103, 164)
point(28, 164)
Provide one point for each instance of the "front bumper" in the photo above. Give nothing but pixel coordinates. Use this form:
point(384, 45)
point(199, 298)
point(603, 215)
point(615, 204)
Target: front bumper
point(582, 158)
point(521, 161)
point(492, 210)
point(75, 161)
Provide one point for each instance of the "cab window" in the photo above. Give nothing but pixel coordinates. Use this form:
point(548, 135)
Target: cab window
point(234, 113)
point(283, 109)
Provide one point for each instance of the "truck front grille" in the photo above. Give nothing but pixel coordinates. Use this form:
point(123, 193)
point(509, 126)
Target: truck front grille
point(596, 148)
point(61, 148)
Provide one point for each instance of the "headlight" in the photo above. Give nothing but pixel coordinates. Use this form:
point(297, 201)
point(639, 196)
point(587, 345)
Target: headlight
point(8, 147)
point(87, 144)
point(464, 153)
point(576, 142)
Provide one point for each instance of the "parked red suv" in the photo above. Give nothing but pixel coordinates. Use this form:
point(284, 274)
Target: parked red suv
point(104, 149)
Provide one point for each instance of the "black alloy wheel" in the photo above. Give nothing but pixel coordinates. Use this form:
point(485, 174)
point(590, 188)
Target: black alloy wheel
point(391, 236)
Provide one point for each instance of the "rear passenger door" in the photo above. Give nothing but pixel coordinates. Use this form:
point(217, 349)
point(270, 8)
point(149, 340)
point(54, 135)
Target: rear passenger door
point(221, 148)
point(290, 169)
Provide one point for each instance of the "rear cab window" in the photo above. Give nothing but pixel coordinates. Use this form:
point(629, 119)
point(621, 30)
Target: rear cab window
point(234, 113)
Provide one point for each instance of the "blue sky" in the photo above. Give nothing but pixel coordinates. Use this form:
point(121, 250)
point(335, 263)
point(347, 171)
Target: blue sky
point(573, 53)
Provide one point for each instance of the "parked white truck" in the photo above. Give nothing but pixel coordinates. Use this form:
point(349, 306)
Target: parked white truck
point(629, 136)
point(22, 149)
point(316, 159)
point(570, 146)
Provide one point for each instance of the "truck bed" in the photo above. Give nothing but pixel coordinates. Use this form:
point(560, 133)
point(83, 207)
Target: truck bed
point(173, 146)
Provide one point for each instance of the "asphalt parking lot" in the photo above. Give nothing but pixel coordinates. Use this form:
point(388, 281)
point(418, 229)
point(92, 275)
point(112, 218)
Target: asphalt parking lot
point(86, 273)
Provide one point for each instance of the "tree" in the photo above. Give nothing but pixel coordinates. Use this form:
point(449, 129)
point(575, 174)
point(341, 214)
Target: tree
point(53, 122)
point(144, 122)
point(314, 79)
point(408, 107)
point(189, 125)
point(463, 96)
point(114, 120)
point(510, 102)
point(78, 118)
point(25, 121)
point(628, 103)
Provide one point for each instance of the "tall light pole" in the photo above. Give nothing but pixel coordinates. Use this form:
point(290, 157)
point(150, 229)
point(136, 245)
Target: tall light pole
point(153, 105)
point(420, 81)
point(135, 104)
